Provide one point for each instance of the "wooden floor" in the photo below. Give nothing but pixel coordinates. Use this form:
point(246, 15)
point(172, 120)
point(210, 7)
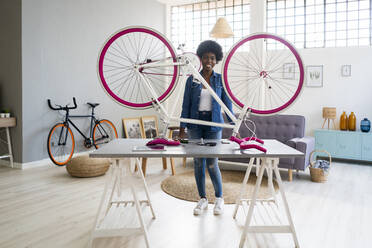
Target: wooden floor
point(45, 207)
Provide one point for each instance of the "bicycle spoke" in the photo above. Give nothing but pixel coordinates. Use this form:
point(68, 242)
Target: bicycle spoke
point(126, 51)
point(275, 75)
point(123, 57)
point(103, 132)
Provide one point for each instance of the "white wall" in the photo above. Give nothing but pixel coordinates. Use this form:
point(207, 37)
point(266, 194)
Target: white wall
point(61, 40)
point(345, 93)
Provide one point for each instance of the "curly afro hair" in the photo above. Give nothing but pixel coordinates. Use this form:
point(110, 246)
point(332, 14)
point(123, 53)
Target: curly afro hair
point(210, 46)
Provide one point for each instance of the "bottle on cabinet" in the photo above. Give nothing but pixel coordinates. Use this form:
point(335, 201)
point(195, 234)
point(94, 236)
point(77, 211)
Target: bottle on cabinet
point(343, 121)
point(352, 122)
point(365, 125)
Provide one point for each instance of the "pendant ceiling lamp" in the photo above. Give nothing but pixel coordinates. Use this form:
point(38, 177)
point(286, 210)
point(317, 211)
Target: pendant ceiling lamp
point(222, 28)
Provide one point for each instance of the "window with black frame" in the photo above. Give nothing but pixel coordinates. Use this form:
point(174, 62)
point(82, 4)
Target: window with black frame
point(321, 23)
point(192, 23)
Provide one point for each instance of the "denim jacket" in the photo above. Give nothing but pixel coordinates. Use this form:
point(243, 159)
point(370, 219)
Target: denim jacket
point(191, 99)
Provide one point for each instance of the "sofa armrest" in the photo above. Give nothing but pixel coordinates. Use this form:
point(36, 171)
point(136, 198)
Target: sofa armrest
point(305, 145)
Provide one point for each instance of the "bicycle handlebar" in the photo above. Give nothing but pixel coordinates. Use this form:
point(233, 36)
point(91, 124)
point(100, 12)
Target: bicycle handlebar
point(62, 108)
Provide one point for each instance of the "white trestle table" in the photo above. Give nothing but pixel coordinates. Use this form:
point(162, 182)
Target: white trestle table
point(119, 149)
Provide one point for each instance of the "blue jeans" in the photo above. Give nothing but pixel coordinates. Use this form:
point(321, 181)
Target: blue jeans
point(212, 163)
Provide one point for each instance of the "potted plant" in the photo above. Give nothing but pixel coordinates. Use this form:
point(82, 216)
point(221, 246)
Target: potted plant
point(5, 113)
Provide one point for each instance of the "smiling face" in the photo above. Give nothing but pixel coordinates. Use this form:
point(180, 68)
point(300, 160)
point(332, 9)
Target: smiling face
point(208, 61)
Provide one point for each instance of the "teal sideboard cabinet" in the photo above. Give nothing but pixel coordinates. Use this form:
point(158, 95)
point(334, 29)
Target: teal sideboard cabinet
point(345, 144)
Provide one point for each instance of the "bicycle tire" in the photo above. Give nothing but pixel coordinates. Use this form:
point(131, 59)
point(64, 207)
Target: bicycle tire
point(116, 67)
point(63, 154)
point(101, 129)
point(252, 74)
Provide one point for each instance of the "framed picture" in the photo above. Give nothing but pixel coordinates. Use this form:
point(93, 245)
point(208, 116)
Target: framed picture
point(346, 70)
point(132, 128)
point(288, 71)
point(149, 126)
point(314, 76)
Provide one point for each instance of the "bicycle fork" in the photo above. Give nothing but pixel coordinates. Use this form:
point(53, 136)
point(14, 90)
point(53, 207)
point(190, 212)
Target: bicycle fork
point(61, 134)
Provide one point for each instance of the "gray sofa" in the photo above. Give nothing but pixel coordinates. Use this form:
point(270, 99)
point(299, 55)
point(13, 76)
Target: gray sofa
point(288, 129)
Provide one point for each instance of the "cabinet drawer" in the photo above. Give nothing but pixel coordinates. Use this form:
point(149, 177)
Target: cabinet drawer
point(348, 145)
point(367, 147)
point(325, 141)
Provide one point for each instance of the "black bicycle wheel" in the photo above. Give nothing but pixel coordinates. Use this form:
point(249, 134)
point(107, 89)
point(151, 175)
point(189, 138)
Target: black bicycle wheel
point(103, 132)
point(61, 144)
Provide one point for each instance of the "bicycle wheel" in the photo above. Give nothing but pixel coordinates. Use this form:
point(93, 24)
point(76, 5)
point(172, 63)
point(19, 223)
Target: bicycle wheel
point(264, 71)
point(103, 132)
point(134, 47)
point(61, 144)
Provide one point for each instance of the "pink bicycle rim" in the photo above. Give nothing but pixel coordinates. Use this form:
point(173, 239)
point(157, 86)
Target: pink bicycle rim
point(295, 53)
point(103, 53)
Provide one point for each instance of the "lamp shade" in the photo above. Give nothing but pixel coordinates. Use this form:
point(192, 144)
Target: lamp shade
point(221, 29)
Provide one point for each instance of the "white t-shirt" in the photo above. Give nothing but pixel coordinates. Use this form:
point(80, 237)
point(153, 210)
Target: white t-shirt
point(205, 103)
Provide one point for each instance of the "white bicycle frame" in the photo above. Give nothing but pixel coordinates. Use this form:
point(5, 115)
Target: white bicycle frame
point(189, 70)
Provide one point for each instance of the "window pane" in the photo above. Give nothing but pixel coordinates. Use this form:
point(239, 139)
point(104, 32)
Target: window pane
point(327, 23)
point(300, 3)
point(290, 3)
point(352, 24)
point(290, 12)
point(191, 23)
point(353, 5)
point(330, 8)
point(364, 4)
point(364, 24)
point(271, 5)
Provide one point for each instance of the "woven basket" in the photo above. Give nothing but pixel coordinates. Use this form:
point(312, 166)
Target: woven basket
point(83, 166)
point(317, 174)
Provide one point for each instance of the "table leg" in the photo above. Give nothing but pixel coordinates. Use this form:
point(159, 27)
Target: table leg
point(144, 164)
point(286, 207)
point(114, 187)
point(269, 169)
point(138, 207)
point(137, 161)
point(252, 203)
point(117, 171)
point(108, 180)
point(9, 146)
point(243, 188)
point(164, 163)
point(172, 166)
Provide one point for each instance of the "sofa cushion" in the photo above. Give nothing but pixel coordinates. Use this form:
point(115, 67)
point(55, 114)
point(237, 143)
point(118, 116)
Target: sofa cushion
point(279, 127)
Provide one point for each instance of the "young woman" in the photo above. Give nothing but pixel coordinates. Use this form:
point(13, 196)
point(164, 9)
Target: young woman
point(199, 104)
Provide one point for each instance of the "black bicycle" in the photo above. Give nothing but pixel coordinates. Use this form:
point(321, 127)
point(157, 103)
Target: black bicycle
point(61, 141)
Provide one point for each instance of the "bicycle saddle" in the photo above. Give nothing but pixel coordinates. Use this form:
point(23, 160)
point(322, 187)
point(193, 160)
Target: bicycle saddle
point(93, 105)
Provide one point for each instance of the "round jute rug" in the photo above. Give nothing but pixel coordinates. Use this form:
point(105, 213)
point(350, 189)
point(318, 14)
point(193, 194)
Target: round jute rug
point(183, 186)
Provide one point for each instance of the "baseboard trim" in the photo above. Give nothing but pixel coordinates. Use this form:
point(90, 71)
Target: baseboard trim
point(34, 164)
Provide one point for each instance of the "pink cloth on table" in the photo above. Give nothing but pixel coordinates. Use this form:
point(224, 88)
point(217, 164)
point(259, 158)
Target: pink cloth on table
point(162, 141)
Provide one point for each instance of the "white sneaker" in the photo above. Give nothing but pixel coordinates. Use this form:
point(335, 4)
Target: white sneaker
point(202, 205)
point(218, 206)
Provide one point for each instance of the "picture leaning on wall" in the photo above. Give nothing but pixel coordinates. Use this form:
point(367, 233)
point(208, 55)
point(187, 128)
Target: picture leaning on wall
point(150, 126)
point(132, 128)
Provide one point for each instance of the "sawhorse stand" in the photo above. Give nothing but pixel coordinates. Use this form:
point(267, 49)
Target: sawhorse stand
point(271, 221)
point(108, 222)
